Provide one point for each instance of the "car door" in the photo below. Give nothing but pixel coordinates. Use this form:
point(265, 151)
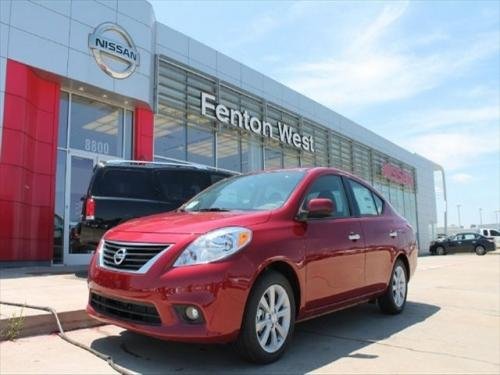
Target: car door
point(469, 242)
point(382, 233)
point(455, 244)
point(334, 247)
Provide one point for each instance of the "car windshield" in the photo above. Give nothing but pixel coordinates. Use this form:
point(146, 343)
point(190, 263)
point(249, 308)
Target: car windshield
point(255, 192)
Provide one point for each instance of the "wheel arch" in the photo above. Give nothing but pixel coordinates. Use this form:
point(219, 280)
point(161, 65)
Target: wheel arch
point(289, 272)
point(406, 263)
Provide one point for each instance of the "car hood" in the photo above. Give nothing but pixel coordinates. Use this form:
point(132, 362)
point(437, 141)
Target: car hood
point(191, 222)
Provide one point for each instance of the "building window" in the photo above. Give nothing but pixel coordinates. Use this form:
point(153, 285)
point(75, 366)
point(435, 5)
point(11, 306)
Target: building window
point(170, 137)
point(228, 150)
point(251, 154)
point(273, 158)
point(200, 145)
point(96, 127)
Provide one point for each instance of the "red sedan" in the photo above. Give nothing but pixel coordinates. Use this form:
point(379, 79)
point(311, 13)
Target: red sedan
point(252, 255)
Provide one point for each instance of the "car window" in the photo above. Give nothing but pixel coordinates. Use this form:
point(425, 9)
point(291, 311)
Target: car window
point(485, 232)
point(329, 187)
point(364, 199)
point(125, 183)
point(216, 177)
point(261, 191)
point(469, 236)
point(494, 232)
point(178, 186)
point(459, 237)
point(379, 203)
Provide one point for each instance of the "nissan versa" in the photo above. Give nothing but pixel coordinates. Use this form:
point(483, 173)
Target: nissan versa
point(252, 255)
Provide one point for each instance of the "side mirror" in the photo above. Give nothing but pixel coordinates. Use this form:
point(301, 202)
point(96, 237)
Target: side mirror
point(319, 207)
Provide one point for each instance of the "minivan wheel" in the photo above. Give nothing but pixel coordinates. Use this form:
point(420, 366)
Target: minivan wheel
point(269, 319)
point(394, 299)
point(440, 250)
point(480, 250)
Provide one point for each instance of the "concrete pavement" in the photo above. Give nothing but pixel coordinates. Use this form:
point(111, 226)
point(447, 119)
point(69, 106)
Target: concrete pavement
point(451, 325)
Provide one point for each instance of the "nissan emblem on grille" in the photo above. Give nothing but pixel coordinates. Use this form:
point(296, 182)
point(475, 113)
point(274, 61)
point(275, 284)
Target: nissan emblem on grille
point(120, 255)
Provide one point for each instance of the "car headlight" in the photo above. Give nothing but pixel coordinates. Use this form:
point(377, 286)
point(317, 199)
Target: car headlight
point(214, 245)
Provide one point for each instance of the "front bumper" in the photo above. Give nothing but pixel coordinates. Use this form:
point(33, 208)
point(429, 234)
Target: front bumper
point(212, 288)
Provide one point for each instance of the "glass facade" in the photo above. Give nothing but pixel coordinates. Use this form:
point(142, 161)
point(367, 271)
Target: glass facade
point(182, 133)
point(89, 131)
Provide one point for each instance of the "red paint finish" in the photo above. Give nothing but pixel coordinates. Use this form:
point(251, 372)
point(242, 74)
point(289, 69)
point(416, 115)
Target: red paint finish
point(328, 268)
point(28, 164)
point(143, 134)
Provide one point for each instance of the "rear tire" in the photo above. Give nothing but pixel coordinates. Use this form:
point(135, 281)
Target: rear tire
point(269, 319)
point(480, 250)
point(394, 299)
point(440, 250)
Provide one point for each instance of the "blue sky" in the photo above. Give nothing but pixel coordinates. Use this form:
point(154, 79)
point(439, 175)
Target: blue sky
point(425, 75)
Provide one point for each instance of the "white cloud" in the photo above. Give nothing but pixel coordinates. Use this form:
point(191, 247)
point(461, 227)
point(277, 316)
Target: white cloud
point(462, 178)
point(453, 150)
point(378, 67)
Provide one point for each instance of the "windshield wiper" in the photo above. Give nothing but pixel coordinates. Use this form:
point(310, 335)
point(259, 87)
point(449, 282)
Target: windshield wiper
point(213, 209)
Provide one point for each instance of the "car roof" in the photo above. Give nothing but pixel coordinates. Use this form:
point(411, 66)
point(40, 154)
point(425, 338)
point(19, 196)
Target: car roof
point(141, 164)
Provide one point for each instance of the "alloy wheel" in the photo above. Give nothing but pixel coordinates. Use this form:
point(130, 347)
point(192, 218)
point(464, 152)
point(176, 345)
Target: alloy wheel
point(272, 321)
point(399, 286)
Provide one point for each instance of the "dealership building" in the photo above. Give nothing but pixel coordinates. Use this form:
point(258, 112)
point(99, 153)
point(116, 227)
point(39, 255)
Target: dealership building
point(85, 81)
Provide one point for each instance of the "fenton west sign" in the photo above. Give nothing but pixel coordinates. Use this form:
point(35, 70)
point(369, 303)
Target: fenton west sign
point(242, 119)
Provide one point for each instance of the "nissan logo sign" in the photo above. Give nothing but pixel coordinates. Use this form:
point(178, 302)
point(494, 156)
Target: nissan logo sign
point(114, 50)
point(119, 256)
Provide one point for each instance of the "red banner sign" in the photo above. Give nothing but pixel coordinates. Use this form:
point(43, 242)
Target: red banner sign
point(397, 175)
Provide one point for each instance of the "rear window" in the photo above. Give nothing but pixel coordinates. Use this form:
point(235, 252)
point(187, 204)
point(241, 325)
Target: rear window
point(125, 183)
point(178, 186)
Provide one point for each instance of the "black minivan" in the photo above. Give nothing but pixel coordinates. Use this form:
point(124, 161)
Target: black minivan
point(122, 190)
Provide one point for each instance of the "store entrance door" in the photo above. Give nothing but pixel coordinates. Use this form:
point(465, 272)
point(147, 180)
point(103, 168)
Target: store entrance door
point(81, 165)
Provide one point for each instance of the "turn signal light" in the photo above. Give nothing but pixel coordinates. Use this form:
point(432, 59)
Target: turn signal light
point(89, 208)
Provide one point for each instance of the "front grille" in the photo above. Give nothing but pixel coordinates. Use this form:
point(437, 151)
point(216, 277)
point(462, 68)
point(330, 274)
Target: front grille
point(132, 257)
point(125, 310)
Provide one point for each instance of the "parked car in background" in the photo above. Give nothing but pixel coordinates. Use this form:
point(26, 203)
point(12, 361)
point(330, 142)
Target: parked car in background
point(462, 242)
point(122, 190)
point(491, 234)
point(248, 257)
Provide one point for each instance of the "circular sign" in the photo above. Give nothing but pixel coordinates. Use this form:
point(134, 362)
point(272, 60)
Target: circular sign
point(114, 50)
point(119, 256)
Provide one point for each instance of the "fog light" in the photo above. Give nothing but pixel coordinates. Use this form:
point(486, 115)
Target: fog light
point(192, 313)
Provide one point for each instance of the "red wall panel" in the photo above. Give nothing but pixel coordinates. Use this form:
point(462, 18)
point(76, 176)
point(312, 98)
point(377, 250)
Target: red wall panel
point(143, 134)
point(27, 165)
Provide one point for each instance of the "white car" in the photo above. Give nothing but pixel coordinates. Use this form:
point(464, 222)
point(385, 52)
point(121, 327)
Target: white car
point(491, 234)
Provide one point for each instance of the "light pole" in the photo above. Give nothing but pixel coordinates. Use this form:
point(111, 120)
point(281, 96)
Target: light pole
point(459, 221)
point(480, 217)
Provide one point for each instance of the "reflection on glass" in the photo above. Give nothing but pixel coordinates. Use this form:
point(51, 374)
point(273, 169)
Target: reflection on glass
point(63, 120)
point(81, 172)
point(272, 158)
point(170, 137)
point(59, 207)
point(291, 158)
point(228, 151)
point(127, 134)
point(96, 127)
point(200, 146)
point(251, 155)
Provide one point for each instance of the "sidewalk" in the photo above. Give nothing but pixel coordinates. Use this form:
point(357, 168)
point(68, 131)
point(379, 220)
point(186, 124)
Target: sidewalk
point(62, 288)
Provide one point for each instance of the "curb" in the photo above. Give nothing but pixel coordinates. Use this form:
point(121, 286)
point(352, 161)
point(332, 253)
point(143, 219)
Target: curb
point(44, 324)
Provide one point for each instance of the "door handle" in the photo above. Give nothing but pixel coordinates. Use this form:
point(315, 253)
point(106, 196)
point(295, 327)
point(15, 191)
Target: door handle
point(393, 233)
point(354, 236)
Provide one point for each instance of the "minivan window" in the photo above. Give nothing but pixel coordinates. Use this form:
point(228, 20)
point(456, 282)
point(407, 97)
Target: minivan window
point(329, 187)
point(364, 199)
point(263, 191)
point(125, 183)
point(493, 232)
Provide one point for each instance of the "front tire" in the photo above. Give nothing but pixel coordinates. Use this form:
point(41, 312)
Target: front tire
point(440, 250)
point(480, 250)
point(269, 319)
point(394, 299)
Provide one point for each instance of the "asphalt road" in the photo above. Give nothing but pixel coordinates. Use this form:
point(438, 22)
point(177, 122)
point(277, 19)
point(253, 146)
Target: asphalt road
point(451, 325)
